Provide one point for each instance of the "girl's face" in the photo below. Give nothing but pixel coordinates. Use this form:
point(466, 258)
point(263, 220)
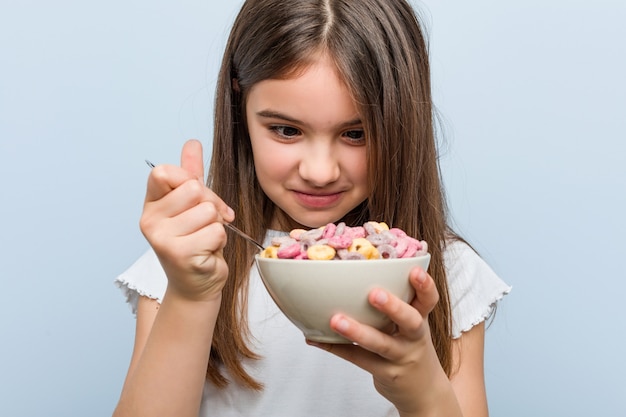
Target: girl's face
point(308, 144)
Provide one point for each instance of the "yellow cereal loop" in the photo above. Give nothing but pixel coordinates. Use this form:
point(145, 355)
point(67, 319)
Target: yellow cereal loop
point(359, 243)
point(270, 252)
point(370, 252)
point(320, 252)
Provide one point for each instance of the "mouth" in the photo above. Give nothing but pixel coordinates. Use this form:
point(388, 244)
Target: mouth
point(318, 201)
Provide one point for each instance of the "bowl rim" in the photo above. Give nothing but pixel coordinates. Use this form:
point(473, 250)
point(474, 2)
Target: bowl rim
point(258, 257)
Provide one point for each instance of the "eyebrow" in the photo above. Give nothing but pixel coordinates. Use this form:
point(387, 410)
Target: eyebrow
point(271, 114)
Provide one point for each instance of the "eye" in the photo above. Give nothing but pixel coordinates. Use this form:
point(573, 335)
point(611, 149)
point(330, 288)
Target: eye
point(285, 132)
point(355, 137)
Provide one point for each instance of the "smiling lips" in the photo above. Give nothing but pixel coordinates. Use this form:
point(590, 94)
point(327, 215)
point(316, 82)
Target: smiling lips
point(317, 201)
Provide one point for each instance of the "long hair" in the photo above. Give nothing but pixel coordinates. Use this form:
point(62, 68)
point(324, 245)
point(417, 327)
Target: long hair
point(381, 53)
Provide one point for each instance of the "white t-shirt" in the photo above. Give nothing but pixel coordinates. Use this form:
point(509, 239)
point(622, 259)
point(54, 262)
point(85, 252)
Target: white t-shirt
point(305, 381)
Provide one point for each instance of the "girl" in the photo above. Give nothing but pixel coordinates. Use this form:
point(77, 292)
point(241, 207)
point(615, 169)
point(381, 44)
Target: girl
point(323, 114)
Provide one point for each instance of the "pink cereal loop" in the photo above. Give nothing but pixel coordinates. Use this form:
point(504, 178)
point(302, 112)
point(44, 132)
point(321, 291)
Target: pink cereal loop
point(356, 232)
point(329, 231)
point(340, 242)
point(423, 248)
point(412, 247)
point(402, 245)
point(289, 251)
point(398, 232)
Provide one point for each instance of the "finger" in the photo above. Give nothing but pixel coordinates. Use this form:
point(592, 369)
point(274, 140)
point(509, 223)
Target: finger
point(196, 218)
point(406, 317)
point(426, 294)
point(191, 159)
point(203, 243)
point(184, 197)
point(374, 341)
point(188, 196)
point(371, 345)
point(163, 179)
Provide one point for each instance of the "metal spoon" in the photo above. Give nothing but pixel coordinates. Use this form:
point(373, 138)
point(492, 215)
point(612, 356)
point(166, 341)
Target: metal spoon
point(230, 226)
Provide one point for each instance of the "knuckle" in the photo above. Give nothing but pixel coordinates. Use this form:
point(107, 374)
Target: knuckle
point(390, 375)
point(159, 173)
point(209, 207)
point(146, 224)
point(219, 234)
point(195, 189)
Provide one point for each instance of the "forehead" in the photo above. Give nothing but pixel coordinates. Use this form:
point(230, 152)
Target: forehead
point(315, 92)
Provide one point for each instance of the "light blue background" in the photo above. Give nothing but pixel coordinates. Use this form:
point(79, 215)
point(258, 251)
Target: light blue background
point(532, 98)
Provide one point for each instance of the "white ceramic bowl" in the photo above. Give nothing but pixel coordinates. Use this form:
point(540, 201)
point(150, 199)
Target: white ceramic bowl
point(310, 292)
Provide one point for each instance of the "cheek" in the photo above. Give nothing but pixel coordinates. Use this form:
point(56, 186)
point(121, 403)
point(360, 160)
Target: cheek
point(356, 166)
point(271, 161)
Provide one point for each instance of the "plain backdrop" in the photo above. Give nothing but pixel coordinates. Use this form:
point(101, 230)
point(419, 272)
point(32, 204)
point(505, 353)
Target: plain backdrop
point(531, 96)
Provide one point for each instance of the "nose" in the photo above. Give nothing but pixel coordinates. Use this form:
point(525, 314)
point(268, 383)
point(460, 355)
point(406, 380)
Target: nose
point(319, 165)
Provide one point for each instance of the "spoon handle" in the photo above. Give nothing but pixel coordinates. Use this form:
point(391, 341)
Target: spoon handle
point(245, 236)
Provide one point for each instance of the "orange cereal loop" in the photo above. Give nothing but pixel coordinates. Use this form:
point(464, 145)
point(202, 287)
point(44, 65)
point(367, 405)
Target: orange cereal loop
point(295, 233)
point(379, 226)
point(320, 252)
point(270, 252)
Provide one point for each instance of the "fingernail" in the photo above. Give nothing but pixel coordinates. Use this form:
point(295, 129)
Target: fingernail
point(421, 277)
point(231, 212)
point(380, 297)
point(343, 325)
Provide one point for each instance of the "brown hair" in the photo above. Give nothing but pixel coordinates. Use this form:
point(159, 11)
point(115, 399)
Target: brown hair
point(381, 53)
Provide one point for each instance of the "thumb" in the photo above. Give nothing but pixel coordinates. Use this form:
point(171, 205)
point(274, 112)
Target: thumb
point(191, 159)
point(426, 294)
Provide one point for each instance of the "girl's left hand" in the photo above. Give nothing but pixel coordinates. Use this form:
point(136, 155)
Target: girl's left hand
point(404, 364)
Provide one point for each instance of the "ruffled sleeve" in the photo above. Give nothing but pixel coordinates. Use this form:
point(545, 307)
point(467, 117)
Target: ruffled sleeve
point(144, 277)
point(474, 287)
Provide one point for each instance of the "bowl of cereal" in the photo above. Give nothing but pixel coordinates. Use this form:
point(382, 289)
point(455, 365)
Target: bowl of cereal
point(312, 275)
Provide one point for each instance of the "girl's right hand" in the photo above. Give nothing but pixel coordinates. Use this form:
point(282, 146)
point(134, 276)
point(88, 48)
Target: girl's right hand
point(182, 221)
